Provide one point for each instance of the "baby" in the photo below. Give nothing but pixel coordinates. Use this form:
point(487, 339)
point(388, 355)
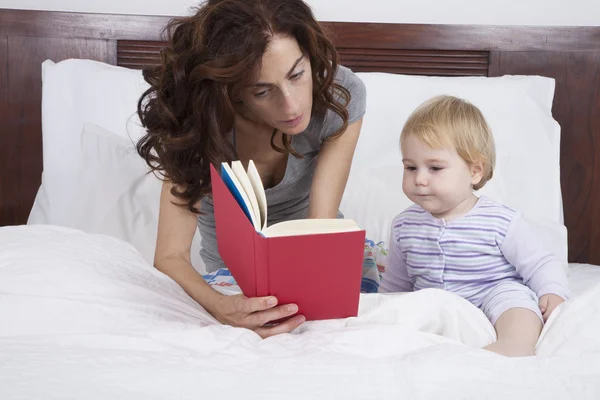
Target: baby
point(472, 246)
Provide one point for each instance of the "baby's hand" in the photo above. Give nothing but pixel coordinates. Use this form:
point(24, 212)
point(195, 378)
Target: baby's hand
point(548, 303)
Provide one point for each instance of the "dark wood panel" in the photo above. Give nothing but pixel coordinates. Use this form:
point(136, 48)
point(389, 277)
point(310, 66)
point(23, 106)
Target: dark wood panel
point(5, 139)
point(476, 57)
point(346, 34)
point(141, 54)
point(416, 62)
point(577, 109)
point(420, 71)
point(464, 37)
point(138, 54)
point(81, 25)
point(586, 69)
point(23, 153)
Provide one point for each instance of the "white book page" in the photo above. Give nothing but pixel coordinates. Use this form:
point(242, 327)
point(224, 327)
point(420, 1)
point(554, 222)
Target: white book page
point(311, 227)
point(242, 192)
point(259, 190)
point(240, 173)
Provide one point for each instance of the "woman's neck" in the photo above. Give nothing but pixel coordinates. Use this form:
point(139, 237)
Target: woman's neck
point(253, 139)
point(252, 127)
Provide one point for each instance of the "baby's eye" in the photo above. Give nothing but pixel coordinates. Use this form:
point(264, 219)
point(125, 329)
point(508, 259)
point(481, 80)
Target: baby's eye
point(436, 169)
point(409, 168)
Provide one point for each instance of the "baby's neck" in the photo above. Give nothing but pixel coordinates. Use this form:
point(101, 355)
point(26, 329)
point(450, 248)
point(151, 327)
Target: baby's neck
point(459, 210)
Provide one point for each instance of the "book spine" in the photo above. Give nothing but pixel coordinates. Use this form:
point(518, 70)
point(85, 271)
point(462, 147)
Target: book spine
point(261, 265)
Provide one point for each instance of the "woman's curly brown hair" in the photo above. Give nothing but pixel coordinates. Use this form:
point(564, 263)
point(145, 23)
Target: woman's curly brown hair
point(210, 57)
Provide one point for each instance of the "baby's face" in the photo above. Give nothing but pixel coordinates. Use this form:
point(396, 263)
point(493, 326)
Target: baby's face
point(438, 180)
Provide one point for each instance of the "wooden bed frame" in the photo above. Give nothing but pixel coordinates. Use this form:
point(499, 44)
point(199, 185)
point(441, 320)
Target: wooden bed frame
point(571, 55)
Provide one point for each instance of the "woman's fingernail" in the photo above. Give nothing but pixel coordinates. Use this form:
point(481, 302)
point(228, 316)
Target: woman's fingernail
point(292, 308)
point(272, 301)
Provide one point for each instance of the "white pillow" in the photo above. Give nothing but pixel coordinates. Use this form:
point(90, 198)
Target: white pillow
point(92, 177)
point(116, 195)
point(75, 92)
point(518, 109)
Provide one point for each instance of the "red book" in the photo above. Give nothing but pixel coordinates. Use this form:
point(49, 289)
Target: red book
point(314, 263)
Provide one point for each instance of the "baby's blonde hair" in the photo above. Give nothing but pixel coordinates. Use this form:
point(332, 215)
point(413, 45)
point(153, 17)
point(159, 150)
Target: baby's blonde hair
point(449, 121)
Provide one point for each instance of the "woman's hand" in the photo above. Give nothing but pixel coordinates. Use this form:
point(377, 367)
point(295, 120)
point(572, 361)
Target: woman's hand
point(176, 227)
point(256, 314)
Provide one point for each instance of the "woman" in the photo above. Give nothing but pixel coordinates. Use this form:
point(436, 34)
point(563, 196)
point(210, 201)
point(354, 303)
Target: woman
point(251, 80)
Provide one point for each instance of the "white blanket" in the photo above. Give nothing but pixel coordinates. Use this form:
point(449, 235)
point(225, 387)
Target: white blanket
point(86, 317)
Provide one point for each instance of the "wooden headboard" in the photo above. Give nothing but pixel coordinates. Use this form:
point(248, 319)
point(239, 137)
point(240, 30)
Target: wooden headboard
point(571, 55)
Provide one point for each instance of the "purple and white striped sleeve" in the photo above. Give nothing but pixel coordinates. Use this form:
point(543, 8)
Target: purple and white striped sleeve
point(395, 278)
point(540, 269)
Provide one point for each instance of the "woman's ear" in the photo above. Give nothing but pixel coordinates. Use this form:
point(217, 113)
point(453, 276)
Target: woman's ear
point(476, 169)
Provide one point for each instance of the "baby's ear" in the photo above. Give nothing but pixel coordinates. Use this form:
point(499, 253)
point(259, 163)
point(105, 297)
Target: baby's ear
point(476, 172)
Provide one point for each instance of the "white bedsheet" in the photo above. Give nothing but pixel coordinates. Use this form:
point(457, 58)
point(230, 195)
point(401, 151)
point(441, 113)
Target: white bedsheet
point(85, 317)
point(583, 277)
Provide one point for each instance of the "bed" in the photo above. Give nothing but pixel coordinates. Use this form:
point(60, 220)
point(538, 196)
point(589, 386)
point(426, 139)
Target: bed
point(83, 314)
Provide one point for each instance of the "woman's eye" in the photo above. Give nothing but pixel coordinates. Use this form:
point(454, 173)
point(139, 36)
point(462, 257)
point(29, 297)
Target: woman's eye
point(410, 168)
point(297, 75)
point(261, 94)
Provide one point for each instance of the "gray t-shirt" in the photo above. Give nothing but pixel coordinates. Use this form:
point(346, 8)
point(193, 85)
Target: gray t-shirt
point(288, 200)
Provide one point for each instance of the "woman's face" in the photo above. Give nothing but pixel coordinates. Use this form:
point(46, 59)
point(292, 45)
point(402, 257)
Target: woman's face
point(282, 96)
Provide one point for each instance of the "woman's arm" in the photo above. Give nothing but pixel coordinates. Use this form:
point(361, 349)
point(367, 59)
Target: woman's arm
point(331, 173)
point(176, 228)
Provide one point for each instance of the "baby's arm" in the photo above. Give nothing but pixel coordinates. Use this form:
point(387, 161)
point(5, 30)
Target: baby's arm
point(540, 269)
point(395, 278)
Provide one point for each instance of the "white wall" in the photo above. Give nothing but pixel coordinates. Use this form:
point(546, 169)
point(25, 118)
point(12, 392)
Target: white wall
point(500, 12)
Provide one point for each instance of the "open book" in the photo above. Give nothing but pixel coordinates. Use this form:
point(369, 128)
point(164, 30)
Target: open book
point(314, 263)
point(248, 190)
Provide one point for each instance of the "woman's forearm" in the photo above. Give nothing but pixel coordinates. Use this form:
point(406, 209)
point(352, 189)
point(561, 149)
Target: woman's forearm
point(183, 273)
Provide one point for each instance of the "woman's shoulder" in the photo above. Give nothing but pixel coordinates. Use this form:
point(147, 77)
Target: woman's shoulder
point(356, 107)
point(348, 79)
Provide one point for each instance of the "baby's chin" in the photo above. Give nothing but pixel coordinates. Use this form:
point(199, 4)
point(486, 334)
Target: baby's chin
point(430, 205)
point(425, 202)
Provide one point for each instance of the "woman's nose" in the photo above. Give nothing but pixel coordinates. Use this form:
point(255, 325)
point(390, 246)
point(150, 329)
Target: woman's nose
point(289, 100)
